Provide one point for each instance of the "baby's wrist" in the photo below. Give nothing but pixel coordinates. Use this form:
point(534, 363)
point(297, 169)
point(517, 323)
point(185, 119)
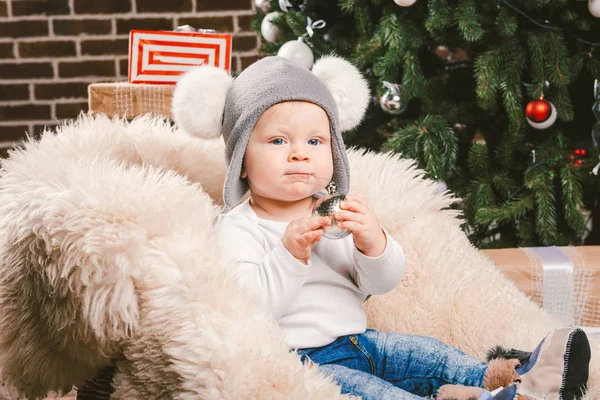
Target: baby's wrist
point(377, 249)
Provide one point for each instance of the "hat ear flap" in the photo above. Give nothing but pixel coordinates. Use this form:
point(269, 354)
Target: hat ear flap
point(348, 87)
point(199, 101)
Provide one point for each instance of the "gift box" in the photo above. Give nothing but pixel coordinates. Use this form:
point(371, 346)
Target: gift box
point(565, 281)
point(163, 56)
point(129, 100)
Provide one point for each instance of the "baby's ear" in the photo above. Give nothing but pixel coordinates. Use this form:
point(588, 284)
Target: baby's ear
point(348, 87)
point(199, 101)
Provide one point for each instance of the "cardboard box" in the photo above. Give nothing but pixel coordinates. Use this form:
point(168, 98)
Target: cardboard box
point(563, 280)
point(130, 100)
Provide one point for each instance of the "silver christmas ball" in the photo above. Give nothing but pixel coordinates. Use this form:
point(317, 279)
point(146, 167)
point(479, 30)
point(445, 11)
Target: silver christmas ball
point(547, 123)
point(327, 206)
point(594, 7)
point(394, 100)
point(441, 187)
point(268, 29)
point(297, 52)
point(405, 3)
point(262, 5)
point(596, 111)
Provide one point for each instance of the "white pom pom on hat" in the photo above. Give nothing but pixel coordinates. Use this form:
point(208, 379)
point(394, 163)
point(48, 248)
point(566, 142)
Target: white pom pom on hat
point(348, 87)
point(199, 100)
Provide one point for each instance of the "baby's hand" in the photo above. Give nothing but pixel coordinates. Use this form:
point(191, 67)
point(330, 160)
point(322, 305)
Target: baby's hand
point(356, 216)
point(301, 235)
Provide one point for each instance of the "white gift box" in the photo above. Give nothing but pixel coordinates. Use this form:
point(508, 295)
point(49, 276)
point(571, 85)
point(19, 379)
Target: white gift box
point(163, 56)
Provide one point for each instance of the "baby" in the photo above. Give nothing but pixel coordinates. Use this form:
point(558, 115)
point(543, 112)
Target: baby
point(282, 127)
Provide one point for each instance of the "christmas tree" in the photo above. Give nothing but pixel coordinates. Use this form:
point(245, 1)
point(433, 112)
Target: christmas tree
point(492, 98)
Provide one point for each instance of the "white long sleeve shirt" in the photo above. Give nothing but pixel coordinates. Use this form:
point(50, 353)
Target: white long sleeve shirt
point(314, 303)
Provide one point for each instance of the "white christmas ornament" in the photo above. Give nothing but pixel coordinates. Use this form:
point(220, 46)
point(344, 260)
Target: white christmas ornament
point(262, 5)
point(297, 52)
point(441, 187)
point(547, 123)
point(594, 7)
point(268, 29)
point(405, 3)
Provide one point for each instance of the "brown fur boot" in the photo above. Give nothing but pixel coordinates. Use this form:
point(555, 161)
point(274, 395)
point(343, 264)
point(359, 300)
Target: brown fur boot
point(458, 392)
point(501, 373)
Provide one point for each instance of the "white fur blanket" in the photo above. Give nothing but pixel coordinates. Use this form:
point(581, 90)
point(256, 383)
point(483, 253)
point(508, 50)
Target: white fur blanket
point(107, 252)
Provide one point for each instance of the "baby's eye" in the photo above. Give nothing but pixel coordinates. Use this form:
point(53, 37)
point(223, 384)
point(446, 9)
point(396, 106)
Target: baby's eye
point(313, 142)
point(277, 141)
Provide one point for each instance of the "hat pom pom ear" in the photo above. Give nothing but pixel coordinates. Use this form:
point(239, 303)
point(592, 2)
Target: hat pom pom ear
point(348, 87)
point(199, 100)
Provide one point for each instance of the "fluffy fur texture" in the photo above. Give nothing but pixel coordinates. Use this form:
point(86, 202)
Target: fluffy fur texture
point(199, 99)
point(348, 87)
point(108, 252)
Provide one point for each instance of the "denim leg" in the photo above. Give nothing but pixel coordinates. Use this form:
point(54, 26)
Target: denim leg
point(341, 352)
point(419, 364)
point(363, 384)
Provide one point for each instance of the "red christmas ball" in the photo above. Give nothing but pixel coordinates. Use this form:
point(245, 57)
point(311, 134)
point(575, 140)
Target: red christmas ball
point(538, 110)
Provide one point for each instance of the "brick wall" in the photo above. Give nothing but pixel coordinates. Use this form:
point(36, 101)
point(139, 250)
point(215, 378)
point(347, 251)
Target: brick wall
point(50, 50)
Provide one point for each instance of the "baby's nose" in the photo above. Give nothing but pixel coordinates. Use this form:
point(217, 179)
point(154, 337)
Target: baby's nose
point(299, 156)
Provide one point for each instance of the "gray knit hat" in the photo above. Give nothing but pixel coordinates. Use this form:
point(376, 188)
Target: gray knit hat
point(333, 84)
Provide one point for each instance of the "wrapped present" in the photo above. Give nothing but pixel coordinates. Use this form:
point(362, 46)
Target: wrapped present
point(565, 281)
point(162, 56)
point(130, 100)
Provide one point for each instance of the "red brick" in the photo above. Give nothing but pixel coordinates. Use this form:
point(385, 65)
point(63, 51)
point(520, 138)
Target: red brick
point(152, 6)
point(39, 129)
point(245, 22)
point(6, 50)
point(124, 66)
point(47, 49)
point(26, 70)
point(51, 91)
point(24, 112)
point(86, 68)
point(244, 43)
point(70, 110)
point(3, 9)
point(220, 5)
point(220, 24)
point(16, 29)
point(105, 47)
point(246, 61)
point(102, 6)
point(13, 133)
point(14, 92)
point(3, 150)
point(82, 27)
point(151, 24)
point(40, 7)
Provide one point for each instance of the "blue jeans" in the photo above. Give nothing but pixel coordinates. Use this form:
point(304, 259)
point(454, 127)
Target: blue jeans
point(378, 365)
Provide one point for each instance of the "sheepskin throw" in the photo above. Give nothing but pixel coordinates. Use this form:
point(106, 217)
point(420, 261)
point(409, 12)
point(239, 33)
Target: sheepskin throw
point(108, 252)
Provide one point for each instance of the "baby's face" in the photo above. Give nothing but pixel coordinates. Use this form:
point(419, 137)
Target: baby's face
point(289, 157)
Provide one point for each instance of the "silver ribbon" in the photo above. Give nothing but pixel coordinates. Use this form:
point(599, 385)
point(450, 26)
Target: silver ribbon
point(285, 5)
point(557, 283)
point(188, 28)
point(311, 26)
